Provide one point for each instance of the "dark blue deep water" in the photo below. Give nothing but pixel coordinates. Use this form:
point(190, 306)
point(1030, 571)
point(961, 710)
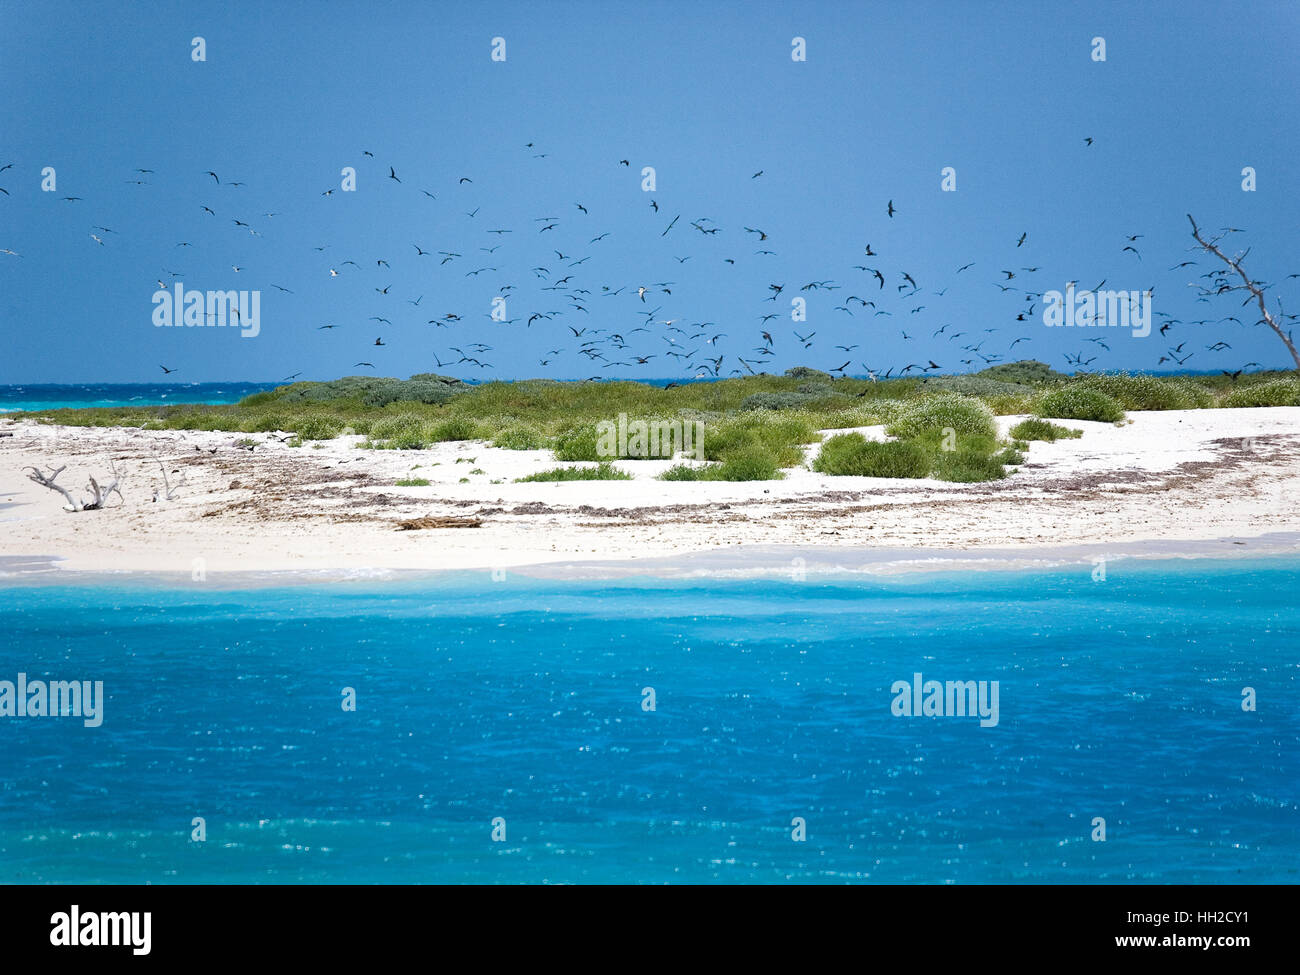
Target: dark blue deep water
point(522, 699)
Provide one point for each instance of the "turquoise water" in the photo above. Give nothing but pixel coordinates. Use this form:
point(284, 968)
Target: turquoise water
point(522, 699)
point(75, 396)
point(57, 396)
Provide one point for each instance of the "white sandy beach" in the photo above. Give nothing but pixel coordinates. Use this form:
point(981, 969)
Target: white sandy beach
point(1165, 478)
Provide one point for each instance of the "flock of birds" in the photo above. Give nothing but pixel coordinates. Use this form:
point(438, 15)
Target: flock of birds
point(542, 271)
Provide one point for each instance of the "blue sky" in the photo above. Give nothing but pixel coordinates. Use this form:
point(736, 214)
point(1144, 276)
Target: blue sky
point(707, 94)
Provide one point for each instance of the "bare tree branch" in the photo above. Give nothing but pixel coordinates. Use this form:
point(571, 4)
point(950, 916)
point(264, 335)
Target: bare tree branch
point(47, 481)
point(1256, 292)
point(100, 495)
point(169, 492)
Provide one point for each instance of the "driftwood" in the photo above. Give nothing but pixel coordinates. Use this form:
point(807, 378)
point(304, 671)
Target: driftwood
point(446, 521)
point(99, 493)
point(1256, 292)
point(169, 492)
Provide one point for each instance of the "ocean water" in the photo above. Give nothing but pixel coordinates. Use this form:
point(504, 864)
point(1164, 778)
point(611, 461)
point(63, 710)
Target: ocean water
point(57, 396)
point(524, 700)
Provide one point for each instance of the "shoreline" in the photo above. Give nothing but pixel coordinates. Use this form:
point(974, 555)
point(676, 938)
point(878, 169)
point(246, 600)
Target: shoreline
point(1184, 483)
point(793, 563)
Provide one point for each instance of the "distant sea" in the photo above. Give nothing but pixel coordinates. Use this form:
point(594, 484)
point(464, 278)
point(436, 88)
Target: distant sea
point(648, 731)
point(55, 396)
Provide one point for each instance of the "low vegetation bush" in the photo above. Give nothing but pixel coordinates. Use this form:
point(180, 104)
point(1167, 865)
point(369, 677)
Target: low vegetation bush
point(776, 401)
point(577, 443)
point(601, 472)
point(749, 464)
point(944, 411)
point(1027, 371)
point(854, 455)
point(456, 428)
point(1036, 428)
point(520, 438)
point(753, 463)
point(970, 464)
point(317, 427)
point(1276, 392)
point(975, 386)
point(1079, 403)
point(1143, 392)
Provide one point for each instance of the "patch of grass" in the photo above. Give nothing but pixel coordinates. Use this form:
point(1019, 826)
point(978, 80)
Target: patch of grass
point(853, 454)
point(781, 436)
point(318, 426)
point(971, 464)
point(457, 428)
point(578, 443)
point(754, 463)
point(685, 472)
point(520, 438)
point(537, 414)
point(1036, 428)
point(1143, 392)
point(1076, 402)
point(601, 472)
point(944, 411)
point(1026, 371)
point(402, 431)
point(412, 482)
point(1277, 392)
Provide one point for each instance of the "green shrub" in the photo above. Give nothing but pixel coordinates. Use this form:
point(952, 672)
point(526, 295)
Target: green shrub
point(780, 436)
point(397, 391)
point(577, 443)
point(804, 372)
point(969, 464)
point(944, 411)
point(853, 454)
point(1143, 392)
point(260, 399)
point(402, 431)
point(601, 472)
point(881, 411)
point(750, 464)
point(318, 427)
point(1010, 404)
point(1277, 392)
point(519, 438)
point(975, 386)
point(775, 401)
point(263, 423)
point(685, 472)
point(1036, 428)
point(1028, 371)
point(456, 428)
point(1076, 402)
